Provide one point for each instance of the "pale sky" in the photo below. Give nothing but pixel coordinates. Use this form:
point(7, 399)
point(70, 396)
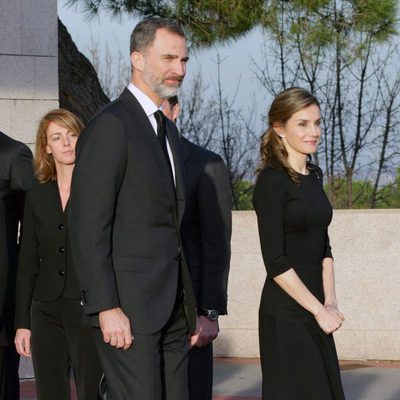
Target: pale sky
point(236, 56)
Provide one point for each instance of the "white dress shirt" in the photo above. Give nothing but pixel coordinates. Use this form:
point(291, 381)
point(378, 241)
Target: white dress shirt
point(150, 108)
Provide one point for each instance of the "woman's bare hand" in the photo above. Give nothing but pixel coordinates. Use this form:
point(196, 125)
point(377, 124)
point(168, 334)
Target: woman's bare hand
point(329, 319)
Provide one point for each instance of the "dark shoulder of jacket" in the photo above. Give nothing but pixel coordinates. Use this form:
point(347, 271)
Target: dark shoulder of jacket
point(8, 143)
point(112, 111)
point(201, 152)
point(113, 108)
point(8, 149)
point(39, 188)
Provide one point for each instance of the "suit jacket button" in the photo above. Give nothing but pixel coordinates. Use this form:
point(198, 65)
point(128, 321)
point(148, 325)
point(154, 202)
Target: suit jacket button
point(61, 272)
point(61, 227)
point(178, 257)
point(61, 250)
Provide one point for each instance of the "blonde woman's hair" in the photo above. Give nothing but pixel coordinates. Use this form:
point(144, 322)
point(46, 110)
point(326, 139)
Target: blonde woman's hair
point(272, 151)
point(45, 167)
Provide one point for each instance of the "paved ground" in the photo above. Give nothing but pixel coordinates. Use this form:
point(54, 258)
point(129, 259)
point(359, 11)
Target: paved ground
point(240, 379)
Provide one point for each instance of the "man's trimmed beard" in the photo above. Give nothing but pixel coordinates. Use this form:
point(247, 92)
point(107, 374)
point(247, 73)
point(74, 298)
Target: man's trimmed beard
point(160, 88)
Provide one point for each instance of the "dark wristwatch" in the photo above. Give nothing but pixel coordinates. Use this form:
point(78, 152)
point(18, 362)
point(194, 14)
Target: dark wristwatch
point(212, 315)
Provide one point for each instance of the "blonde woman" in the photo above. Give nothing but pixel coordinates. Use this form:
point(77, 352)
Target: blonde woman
point(298, 310)
point(49, 318)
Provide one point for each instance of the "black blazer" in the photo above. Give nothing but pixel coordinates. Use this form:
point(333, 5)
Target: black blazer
point(207, 225)
point(45, 271)
point(16, 176)
point(125, 217)
point(3, 271)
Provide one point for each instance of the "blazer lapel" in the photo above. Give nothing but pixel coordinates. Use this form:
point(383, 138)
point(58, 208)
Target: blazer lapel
point(184, 144)
point(142, 125)
point(173, 139)
point(52, 199)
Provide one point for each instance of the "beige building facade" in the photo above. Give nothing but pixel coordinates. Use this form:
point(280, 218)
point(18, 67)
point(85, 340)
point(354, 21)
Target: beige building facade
point(28, 65)
point(28, 73)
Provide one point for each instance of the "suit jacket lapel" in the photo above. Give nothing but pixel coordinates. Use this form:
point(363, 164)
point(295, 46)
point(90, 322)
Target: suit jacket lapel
point(52, 199)
point(184, 149)
point(173, 139)
point(142, 125)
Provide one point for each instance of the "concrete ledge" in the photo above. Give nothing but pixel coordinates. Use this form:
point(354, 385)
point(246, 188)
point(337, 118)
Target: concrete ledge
point(366, 248)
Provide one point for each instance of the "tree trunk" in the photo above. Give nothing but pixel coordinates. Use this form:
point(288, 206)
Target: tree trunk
point(79, 88)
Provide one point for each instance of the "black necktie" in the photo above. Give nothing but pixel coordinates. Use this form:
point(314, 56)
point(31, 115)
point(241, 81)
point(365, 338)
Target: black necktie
point(161, 132)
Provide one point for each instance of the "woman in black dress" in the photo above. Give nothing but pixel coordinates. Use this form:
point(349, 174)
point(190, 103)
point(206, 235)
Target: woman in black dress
point(298, 310)
point(49, 313)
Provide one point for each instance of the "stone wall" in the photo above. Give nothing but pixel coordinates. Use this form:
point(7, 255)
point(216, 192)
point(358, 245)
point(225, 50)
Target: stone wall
point(366, 248)
point(28, 65)
point(28, 73)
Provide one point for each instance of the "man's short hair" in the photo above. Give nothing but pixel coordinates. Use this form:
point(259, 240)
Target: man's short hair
point(144, 33)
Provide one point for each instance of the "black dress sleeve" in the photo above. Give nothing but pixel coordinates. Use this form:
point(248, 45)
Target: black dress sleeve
point(269, 204)
point(328, 249)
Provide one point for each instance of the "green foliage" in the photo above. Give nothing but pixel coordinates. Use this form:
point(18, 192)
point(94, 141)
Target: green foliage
point(361, 190)
point(116, 8)
point(209, 21)
point(205, 21)
point(320, 21)
point(388, 196)
point(376, 17)
point(311, 5)
point(243, 194)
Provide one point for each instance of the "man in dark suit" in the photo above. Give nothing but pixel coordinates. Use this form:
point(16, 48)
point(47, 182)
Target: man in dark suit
point(16, 177)
point(126, 205)
point(206, 233)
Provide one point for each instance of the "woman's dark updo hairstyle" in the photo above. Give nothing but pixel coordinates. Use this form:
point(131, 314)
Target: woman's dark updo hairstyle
point(272, 150)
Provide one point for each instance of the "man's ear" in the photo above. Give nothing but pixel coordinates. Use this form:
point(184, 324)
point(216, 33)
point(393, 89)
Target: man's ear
point(176, 111)
point(137, 60)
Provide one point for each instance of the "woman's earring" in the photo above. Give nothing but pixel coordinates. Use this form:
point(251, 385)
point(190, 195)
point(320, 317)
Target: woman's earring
point(281, 136)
